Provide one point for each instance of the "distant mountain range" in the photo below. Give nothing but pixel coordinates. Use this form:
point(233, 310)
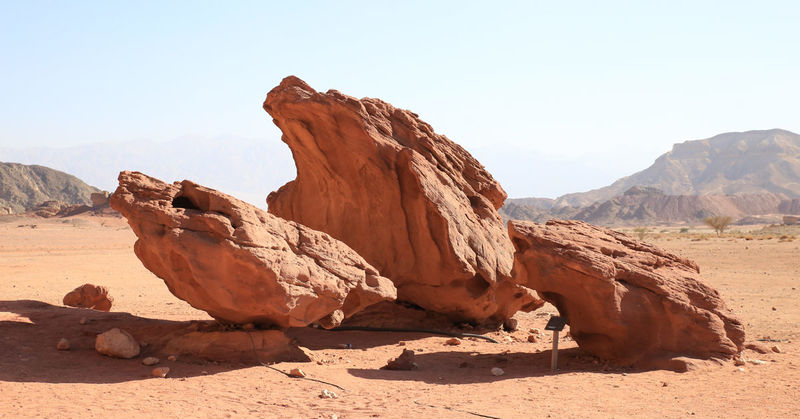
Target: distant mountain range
point(23, 187)
point(247, 168)
point(737, 174)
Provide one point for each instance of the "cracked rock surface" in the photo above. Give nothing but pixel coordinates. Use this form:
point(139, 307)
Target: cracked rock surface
point(239, 263)
point(413, 203)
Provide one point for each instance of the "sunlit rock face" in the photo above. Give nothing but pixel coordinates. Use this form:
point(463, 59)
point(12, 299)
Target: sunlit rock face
point(414, 204)
point(625, 300)
point(239, 263)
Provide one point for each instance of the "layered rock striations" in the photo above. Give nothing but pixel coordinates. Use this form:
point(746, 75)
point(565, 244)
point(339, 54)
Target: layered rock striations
point(241, 264)
point(414, 204)
point(624, 300)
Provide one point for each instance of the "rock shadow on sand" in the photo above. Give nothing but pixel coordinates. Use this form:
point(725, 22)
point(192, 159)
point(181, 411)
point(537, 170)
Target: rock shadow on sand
point(469, 367)
point(31, 329)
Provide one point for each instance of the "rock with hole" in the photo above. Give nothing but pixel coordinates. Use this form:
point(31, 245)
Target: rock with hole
point(625, 300)
point(240, 264)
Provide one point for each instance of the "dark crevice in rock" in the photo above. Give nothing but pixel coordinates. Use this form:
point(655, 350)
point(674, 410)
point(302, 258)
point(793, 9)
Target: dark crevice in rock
point(184, 202)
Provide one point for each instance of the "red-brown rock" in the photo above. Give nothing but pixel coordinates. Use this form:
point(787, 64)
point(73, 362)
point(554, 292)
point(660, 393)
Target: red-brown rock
point(625, 300)
point(414, 204)
point(89, 296)
point(239, 263)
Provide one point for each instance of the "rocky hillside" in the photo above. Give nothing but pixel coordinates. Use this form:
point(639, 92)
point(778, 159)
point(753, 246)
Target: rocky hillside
point(749, 162)
point(247, 168)
point(648, 205)
point(651, 206)
point(23, 187)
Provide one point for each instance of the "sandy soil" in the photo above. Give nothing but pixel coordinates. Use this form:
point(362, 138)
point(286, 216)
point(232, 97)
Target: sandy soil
point(41, 260)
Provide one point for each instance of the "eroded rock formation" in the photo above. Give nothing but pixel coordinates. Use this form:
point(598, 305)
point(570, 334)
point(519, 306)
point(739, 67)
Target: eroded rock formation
point(241, 264)
point(625, 300)
point(414, 204)
point(89, 296)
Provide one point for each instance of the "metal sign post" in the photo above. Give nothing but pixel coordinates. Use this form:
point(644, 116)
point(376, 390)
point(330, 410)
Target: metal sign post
point(556, 324)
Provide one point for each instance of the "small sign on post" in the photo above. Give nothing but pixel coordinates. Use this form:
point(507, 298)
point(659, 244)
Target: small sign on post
point(556, 324)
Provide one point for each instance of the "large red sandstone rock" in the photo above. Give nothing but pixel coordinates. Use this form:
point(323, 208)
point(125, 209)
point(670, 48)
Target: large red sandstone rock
point(414, 204)
point(239, 263)
point(625, 300)
point(89, 296)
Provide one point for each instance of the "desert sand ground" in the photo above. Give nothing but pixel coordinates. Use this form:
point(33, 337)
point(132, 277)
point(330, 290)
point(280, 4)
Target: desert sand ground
point(41, 260)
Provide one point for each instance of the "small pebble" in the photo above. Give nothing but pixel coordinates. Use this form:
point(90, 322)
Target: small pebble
point(453, 342)
point(83, 320)
point(739, 369)
point(297, 373)
point(510, 325)
point(532, 338)
point(63, 345)
point(756, 361)
point(496, 371)
point(664, 384)
point(172, 358)
point(738, 362)
point(160, 372)
point(776, 349)
point(509, 339)
point(774, 309)
point(150, 360)
point(327, 394)
point(344, 346)
point(536, 331)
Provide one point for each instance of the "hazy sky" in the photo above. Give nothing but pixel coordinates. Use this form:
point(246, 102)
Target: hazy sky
point(579, 92)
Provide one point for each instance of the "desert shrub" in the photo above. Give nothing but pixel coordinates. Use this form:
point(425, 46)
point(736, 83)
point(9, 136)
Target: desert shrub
point(685, 230)
point(641, 232)
point(718, 222)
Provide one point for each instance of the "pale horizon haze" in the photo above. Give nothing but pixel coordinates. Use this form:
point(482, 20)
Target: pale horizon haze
point(552, 97)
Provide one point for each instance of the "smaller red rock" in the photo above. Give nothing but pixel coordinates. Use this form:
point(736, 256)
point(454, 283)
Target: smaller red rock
point(510, 325)
point(63, 345)
point(150, 360)
point(89, 296)
point(452, 342)
point(403, 362)
point(160, 372)
point(757, 347)
point(297, 373)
